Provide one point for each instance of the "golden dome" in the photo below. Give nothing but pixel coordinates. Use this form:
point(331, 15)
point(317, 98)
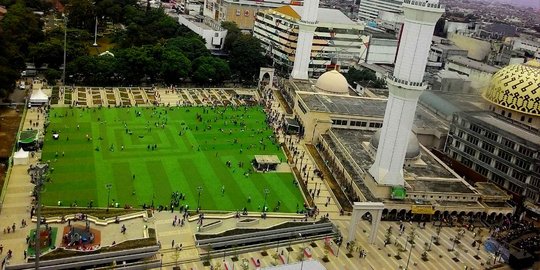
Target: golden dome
point(516, 87)
point(332, 82)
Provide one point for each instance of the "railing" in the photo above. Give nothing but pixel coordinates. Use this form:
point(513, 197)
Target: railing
point(405, 82)
point(423, 4)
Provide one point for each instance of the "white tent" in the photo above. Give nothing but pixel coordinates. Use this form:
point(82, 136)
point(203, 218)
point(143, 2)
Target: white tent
point(38, 97)
point(20, 157)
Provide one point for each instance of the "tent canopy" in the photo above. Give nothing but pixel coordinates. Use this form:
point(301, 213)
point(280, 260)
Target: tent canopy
point(21, 154)
point(39, 97)
point(28, 136)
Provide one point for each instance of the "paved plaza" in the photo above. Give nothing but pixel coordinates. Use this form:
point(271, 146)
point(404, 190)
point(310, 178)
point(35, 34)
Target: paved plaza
point(17, 201)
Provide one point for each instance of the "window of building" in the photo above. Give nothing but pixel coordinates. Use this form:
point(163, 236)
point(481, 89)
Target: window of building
point(467, 162)
point(339, 122)
point(481, 170)
point(530, 120)
point(375, 125)
point(497, 179)
point(469, 150)
point(508, 143)
point(238, 12)
point(492, 136)
point(515, 188)
point(460, 134)
point(509, 115)
point(505, 155)
point(503, 112)
point(472, 139)
point(457, 144)
point(488, 147)
point(522, 118)
point(358, 123)
point(535, 181)
point(525, 151)
point(484, 158)
point(523, 163)
point(501, 167)
point(476, 128)
point(519, 176)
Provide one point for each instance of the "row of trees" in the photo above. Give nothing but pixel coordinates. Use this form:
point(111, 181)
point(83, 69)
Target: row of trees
point(151, 47)
point(19, 29)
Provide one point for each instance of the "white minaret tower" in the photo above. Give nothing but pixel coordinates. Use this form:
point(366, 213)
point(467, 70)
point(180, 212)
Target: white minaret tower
point(307, 27)
point(405, 85)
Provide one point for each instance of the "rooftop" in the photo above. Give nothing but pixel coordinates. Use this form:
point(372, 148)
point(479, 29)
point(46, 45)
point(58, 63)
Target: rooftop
point(352, 142)
point(344, 105)
point(327, 15)
point(443, 186)
point(464, 61)
point(446, 104)
point(490, 189)
point(504, 127)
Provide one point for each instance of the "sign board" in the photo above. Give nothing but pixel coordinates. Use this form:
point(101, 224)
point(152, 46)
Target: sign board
point(423, 209)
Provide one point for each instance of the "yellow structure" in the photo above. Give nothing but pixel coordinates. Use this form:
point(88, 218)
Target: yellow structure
point(516, 88)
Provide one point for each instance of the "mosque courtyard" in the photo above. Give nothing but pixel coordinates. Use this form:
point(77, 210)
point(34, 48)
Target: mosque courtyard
point(149, 154)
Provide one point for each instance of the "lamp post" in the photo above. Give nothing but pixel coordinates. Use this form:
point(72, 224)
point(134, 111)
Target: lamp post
point(410, 251)
point(199, 190)
point(266, 192)
point(95, 34)
point(161, 262)
point(65, 52)
point(40, 170)
point(108, 187)
point(303, 252)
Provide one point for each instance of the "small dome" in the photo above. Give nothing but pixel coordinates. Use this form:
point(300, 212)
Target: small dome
point(332, 82)
point(413, 147)
point(516, 87)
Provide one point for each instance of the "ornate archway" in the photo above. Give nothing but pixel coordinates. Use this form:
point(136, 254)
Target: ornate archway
point(359, 210)
point(264, 71)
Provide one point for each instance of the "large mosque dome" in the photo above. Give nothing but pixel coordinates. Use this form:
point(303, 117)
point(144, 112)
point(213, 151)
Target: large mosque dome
point(332, 82)
point(413, 147)
point(516, 87)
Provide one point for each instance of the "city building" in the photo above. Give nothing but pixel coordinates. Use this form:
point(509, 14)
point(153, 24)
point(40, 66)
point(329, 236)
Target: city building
point(212, 33)
point(369, 10)
point(502, 144)
point(242, 12)
point(336, 39)
point(478, 72)
point(441, 49)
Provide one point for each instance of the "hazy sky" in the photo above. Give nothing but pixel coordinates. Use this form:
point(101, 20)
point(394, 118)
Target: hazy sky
point(527, 3)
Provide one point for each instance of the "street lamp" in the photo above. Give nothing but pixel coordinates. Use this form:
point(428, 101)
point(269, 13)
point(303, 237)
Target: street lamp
point(161, 262)
point(199, 189)
point(410, 251)
point(95, 34)
point(65, 52)
point(40, 170)
point(303, 252)
point(108, 187)
point(266, 192)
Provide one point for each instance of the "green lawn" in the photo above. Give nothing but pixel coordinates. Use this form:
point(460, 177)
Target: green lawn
point(180, 163)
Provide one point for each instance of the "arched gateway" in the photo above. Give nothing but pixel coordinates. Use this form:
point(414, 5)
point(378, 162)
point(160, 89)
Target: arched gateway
point(360, 209)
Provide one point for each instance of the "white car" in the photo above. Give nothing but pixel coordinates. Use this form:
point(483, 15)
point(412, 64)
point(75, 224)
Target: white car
point(22, 85)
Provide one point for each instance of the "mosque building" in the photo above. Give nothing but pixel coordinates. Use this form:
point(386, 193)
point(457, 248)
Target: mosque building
point(372, 143)
point(502, 144)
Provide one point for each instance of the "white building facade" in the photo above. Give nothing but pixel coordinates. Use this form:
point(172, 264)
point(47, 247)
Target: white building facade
point(336, 39)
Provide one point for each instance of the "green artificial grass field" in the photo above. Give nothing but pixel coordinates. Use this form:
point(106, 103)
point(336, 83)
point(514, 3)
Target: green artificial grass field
point(88, 155)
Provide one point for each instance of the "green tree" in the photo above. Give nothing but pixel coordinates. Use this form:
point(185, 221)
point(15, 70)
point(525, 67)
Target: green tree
point(364, 77)
point(81, 14)
point(245, 57)
point(174, 66)
point(52, 75)
point(192, 47)
point(233, 33)
point(208, 69)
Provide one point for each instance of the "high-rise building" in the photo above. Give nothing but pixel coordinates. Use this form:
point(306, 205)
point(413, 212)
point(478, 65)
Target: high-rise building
point(369, 9)
point(336, 40)
point(405, 86)
point(502, 145)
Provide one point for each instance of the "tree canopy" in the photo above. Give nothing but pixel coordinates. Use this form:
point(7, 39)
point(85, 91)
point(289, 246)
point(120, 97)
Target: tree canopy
point(364, 77)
